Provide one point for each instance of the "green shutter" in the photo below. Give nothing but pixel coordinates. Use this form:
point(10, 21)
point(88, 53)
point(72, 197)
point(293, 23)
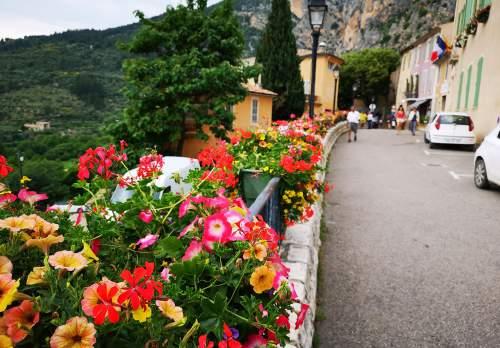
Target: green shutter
point(467, 87)
point(460, 90)
point(478, 81)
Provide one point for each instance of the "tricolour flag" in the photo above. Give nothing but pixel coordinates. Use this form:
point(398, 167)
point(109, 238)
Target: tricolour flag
point(440, 48)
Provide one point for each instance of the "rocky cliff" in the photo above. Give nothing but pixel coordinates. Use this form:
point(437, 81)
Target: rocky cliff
point(353, 24)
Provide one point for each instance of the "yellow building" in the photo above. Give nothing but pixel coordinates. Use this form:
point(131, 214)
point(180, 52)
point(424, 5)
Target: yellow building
point(475, 73)
point(442, 91)
point(327, 80)
point(255, 111)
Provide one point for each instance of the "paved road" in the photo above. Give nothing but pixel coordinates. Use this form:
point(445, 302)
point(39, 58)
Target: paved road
point(412, 253)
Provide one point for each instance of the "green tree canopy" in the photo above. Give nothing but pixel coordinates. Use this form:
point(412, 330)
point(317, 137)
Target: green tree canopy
point(188, 66)
point(370, 69)
point(277, 52)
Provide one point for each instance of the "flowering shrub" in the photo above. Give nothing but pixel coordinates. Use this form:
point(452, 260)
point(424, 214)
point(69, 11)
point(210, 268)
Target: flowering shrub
point(182, 270)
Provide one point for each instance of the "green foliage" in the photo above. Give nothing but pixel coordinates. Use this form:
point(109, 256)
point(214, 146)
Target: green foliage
point(277, 52)
point(89, 89)
point(189, 68)
point(371, 69)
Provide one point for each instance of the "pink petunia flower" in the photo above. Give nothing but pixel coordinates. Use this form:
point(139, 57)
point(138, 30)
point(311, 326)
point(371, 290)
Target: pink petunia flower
point(146, 216)
point(194, 249)
point(185, 207)
point(255, 341)
point(147, 241)
point(216, 230)
point(189, 227)
point(165, 274)
point(8, 198)
point(31, 197)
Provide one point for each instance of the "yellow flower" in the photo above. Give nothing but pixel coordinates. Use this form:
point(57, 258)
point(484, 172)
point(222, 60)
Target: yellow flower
point(5, 265)
point(44, 244)
point(169, 310)
point(5, 342)
point(36, 276)
point(68, 261)
point(24, 179)
point(42, 227)
point(8, 290)
point(141, 314)
point(259, 251)
point(262, 279)
point(76, 333)
point(88, 253)
point(16, 224)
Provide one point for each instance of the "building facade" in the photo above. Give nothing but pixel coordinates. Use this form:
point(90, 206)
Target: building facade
point(418, 76)
point(475, 72)
point(327, 81)
point(255, 111)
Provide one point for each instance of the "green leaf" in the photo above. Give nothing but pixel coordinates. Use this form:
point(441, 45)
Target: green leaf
point(169, 247)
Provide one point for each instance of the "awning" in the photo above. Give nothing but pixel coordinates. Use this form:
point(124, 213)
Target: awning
point(417, 103)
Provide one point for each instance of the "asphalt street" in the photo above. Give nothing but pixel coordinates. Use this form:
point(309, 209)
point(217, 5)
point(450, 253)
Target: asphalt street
point(411, 255)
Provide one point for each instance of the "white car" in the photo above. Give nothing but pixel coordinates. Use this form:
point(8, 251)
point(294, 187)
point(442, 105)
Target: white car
point(450, 128)
point(487, 161)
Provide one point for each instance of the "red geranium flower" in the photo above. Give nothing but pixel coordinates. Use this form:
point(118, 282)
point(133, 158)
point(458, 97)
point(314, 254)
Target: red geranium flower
point(141, 288)
point(106, 308)
point(4, 168)
point(203, 342)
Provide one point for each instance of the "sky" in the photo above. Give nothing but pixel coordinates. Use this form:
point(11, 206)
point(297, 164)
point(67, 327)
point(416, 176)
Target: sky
point(19, 18)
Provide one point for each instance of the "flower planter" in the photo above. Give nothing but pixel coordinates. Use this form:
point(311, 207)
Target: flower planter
point(253, 183)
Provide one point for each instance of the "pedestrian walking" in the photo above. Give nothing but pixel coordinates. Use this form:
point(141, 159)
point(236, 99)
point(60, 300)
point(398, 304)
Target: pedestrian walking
point(353, 120)
point(400, 119)
point(370, 120)
point(413, 117)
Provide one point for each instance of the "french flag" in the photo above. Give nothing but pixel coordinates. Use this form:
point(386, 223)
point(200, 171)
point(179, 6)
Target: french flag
point(440, 48)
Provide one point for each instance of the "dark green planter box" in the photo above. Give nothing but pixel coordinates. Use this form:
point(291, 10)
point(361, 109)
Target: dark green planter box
point(253, 182)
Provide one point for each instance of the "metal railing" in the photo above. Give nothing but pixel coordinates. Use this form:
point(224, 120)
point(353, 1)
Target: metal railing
point(268, 205)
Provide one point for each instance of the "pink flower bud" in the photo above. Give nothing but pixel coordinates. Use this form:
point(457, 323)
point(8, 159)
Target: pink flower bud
point(146, 216)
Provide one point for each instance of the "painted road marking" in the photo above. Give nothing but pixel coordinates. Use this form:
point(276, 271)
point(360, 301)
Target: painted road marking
point(433, 165)
point(458, 176)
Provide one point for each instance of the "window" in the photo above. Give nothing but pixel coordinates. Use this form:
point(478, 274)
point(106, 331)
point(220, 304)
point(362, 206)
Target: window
point(460, 84)
point(454, 119)
point(467, 87)
point(255, 110)
point(479, 76)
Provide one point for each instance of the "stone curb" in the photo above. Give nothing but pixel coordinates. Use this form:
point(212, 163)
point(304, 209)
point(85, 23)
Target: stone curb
point(300, 252)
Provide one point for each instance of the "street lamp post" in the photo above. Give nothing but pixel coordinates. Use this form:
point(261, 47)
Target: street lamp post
point(354, 90)
point(20, 157)
point(317, 10)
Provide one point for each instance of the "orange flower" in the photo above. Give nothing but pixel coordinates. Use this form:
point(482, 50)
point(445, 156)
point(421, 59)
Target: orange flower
point(16, 224)
point(68, 261)
point(5, 342)
point(76, 333)
point(20, 320)
point(91, 297)
point(262, 279)
point(5, 265)
point(42, 227)
point(44, 244)
point(8, 289)
point(259, 251)
point(36, 276)
point(169, 310)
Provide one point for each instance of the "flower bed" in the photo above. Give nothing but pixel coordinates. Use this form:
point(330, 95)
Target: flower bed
point(170, 270)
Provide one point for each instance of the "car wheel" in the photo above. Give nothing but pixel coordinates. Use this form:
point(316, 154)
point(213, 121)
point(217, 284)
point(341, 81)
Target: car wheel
point(432, 145)
point(426, 140)
point(480, 175)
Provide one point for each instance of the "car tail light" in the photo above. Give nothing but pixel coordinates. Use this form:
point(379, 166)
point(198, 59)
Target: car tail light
point(471, 125)
point(438, 123)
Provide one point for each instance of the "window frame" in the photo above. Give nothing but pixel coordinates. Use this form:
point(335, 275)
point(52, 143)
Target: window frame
point(479, 77)
point(256, 109)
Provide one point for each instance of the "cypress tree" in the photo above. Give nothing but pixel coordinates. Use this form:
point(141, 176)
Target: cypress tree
point(277, 52)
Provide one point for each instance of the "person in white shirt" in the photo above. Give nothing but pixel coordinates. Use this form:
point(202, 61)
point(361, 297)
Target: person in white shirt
point(353, 120)
point(370, 120)
point(413, 117)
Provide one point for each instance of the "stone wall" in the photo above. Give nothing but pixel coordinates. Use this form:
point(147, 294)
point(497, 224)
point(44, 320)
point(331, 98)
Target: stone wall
point(300, 251)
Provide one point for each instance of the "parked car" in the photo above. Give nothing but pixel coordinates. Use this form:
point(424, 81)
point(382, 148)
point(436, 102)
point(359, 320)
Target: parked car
point(487, 160)
point(450, 128)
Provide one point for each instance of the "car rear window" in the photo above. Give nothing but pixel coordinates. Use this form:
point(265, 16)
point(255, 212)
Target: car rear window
point(454, 119)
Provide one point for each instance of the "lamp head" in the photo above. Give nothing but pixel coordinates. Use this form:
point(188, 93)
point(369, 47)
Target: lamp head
point(317, 11)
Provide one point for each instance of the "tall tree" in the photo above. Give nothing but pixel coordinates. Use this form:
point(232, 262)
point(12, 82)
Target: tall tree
point(189, 70)
point(371, 69)
point(277, 52)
